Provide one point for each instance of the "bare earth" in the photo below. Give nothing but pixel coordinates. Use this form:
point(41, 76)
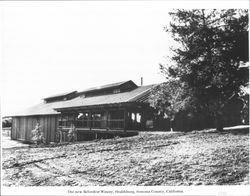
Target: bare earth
point(196, 158)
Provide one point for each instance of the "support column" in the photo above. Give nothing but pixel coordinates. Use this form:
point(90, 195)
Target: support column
point(74, 119)
point(61, 136)
point(90, 120)
point(107, 119)
point(129, 120)
point(125, 119)
point(143, 120)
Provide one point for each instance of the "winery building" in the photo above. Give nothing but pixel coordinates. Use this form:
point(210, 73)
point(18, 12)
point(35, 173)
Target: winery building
point(115, 108)
point(119, 109)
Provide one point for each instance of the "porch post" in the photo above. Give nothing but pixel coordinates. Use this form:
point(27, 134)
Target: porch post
point(125, 119)
point(143, 121)
point(107, 119)
point(89, 119)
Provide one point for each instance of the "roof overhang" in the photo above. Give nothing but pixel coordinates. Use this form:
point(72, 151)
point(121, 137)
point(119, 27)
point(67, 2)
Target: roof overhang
point(37, 115)
point(103, 106)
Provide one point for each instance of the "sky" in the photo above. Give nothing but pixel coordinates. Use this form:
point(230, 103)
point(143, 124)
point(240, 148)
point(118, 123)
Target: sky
point(54, 47)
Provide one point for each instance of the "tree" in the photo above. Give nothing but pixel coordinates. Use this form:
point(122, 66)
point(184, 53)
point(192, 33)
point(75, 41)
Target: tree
point(37, 135)
point(6, 122)
point(212, 46)
point(169, 98)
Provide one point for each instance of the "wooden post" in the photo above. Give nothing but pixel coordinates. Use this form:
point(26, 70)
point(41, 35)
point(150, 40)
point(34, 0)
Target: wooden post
point(90, 120)
point(75, 134)
point(143, 121)
point(60, 136)
point(129, 120)
point(125, 120)
point(107, 120)
point(88, 125)
point(74, 118)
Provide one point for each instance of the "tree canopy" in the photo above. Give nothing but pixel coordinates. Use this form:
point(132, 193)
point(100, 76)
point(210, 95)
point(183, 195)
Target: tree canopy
point(212, 46)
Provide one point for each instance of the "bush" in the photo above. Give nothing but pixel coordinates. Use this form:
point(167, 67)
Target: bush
point(7, 122)
point(37, 135)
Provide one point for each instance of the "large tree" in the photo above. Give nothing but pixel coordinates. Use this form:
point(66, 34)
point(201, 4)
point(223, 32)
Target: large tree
point(169, 98)
point(212, 45)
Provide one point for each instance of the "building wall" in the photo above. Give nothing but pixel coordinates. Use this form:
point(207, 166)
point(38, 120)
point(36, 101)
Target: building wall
point(22, 127)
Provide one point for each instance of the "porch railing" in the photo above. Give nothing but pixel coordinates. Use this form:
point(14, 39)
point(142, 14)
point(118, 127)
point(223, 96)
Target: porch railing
point(116, 124)
point(100, 124)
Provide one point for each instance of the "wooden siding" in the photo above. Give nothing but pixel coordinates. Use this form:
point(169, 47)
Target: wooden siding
point(22, 127)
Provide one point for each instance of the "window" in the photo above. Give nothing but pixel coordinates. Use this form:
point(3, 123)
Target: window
point(82, 119)
point(97, 116)
point(116, 91)
point(63, 121)
point(98, 120)
point(138, 117)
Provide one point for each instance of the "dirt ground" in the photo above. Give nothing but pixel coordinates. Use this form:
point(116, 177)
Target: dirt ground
point(195, 158)
point(7, 143)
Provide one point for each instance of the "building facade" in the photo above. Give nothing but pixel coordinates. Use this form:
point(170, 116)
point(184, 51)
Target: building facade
point(117, 108)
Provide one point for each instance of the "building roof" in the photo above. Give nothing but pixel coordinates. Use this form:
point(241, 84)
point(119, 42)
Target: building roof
point(135, 95)
point(40, 109)
point(60, 95)
point(107, 86)
point(140, 94)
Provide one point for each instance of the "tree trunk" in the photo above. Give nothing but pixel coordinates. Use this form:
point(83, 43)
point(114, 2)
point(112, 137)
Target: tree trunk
point(219, 122)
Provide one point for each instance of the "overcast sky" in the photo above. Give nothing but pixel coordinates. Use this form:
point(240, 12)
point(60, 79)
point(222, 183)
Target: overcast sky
point(55, 47)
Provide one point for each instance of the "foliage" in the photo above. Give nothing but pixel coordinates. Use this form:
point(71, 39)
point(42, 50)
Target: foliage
point(170, 97)
point(213, 44)
point(72, 134)
point(37, 135)
point(244, 97)
point(6, 122)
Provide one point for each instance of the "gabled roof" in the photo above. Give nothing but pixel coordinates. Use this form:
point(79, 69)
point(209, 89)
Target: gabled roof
point(108, 86)
point(135, 95)
point(139, 94)
point(60, 95)
point(40, 109)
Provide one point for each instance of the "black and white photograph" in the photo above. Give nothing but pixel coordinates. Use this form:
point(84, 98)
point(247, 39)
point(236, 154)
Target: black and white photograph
point(124, 97)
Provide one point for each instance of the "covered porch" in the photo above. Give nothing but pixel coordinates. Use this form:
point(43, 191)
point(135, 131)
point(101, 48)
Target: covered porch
point(110, 119)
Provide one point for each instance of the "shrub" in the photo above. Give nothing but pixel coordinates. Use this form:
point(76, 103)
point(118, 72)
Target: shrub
point(38, 135)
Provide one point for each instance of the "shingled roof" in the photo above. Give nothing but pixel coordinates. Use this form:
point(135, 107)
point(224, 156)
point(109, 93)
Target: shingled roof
point(139, 94)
